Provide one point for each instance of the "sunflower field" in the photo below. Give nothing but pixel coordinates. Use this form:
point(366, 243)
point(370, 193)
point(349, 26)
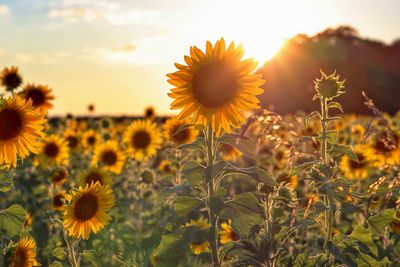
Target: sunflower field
point(223, 183)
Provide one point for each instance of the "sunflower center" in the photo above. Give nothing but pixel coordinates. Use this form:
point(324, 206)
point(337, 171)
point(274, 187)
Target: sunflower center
point(109, 158)
point(86, 207)
point(21, 258)
point(181, 136)
point(37, 96)
point(10, 124)
point(12, 80)
point(214, 84)
point(93, 177)
point(149, 113)
point(72, 141)
point(58, 177)
point(360, 164)
point(141, 139)
point(91, 140)
point(51, 150)
point(57, 201)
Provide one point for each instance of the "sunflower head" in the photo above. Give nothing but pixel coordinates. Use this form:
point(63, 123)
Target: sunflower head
point(329, 86)
point(41, 96)
point(149, 113)
point(10, 78)
point(109, 156)
point(356, 169)
point(229, 152)
point(54, 151)
point(165, 167)
point(143, 139)
point(59, 177)
point(21, 125)
point(215, 86)
point(87, 210)
point(94, 175)
point(184, 136)
point(227, 234)
point(58, 201)
point(73, 139)
point(91, 108)
point(24, 253)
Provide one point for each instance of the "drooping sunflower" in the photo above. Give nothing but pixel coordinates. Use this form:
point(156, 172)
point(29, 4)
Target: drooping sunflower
point(227, 234)
point(58, 201)
point(142, 138)
point(109, 156)
point(356, 170)
point(54, 151)
point(185, 136)
point(41, 96)
point(94, 175)
point(200, 246)
point(90, 139)
point(385, 149)
point(10, 78)
point(20, 127)
point(87, 210)
point(216, 86)
point(25, 253)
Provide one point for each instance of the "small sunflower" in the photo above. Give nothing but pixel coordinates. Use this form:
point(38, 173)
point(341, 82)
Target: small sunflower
point(227, 234)
point(58, 201)
point(90, 138)
point(216, 86)
point(59, 177)
point(183, 137)
point(25, 253)
point(94, 175)
point(20, 127)
point(73, 139)
point(293, 180)
point(229, 152)
point(150, 113)
point(165, 167)
point(385, 149)
point(201, 246)
point(109, 156)
point(87, 210)
point(143, 138)
point(41, 96)
point(10, 78)
point(54, 151)
point(356, 170)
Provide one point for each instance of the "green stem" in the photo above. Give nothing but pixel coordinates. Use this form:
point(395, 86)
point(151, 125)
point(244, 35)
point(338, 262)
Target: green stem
point(71, 251)
point(211, 190)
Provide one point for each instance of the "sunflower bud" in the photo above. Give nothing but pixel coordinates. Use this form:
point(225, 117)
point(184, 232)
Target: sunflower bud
point(329, 86)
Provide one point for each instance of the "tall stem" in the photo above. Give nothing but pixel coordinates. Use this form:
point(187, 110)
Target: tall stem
point(211, 190)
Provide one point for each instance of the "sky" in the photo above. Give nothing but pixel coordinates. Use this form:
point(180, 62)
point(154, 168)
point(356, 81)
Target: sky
point(115, 54)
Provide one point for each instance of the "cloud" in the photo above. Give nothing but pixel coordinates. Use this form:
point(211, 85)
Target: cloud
point(92, 10)
point(4, 10)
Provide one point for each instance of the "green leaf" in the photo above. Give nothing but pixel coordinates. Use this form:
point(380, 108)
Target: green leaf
point(364, 236)
point(12, 220)
point(182, 128)
point(214, 170)
point(198, 144)
point(184, 205)
point(337, 149)
point(378, 222)
point(244, 144)
point(6, 182)
point(216, 205)
point(59, 253)
point(169, 191)
point(256, 173)
point(336, 105)
point(310, 116)
point(245, 213)
point(299, 168)
point(90, 257)
point(194, 172)
point(56, 264)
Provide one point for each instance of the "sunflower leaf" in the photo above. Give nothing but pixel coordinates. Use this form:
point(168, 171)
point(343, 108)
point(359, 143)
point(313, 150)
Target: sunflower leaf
point(244, 144)
point(6, 182)
point(12, 220)
point(184, 205)
point(90, 257)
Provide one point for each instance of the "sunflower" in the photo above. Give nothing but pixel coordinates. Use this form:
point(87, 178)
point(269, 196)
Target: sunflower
point(216, 86)
point(10, 78)
point(356, 170)
point(165, 167)
point(25, 253)
point(184, 136)
point(110, 156)
point(358, 130)
point(72, 138)
point(41, 96)
point(385, 149)
point(87, 210)
point(229, 152)
point(28, 219)
point(143, 138)
point(293, 180)
point(58, 201)
point(54, 151)
point(90, 138)
point(20, 127)
point(59, 177)
point(201, 246)
point(227, 234)
point(149, 113)
point(94, 175)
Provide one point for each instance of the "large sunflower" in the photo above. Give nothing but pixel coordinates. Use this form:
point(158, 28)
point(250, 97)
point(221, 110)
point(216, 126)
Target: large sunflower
point(109, 156)
point(54, 151)
point(356, 170)
point(10, 78)
point(142, 138)
point(216, 86)
point(87, 210)
point(20, 127)
point(41, 96)
point(25, 253)
point(184, 136)
point(94, 175)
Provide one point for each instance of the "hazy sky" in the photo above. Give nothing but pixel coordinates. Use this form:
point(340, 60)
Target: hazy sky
point(115, 54)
